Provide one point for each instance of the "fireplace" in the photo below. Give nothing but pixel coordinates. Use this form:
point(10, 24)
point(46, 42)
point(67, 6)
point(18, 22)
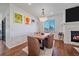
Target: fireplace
point(74, 36)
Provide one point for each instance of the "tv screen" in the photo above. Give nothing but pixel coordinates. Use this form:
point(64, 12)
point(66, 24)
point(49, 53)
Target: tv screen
point(72, 14)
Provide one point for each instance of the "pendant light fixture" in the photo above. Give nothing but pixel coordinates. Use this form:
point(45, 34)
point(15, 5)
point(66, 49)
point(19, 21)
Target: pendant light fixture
point(43, 18)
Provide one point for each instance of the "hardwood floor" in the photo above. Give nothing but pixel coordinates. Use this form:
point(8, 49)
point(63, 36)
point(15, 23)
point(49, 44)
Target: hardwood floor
point(70, 50)
point(16, 51)
point(59, 49)
point(2, 46)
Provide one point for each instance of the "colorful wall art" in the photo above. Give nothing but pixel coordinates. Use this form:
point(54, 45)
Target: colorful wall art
point(27, 20)
point(18, 18)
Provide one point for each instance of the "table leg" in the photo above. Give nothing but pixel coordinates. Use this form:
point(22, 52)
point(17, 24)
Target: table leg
point(43, 43)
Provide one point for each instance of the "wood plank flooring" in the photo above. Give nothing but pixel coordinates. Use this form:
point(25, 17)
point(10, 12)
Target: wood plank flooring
point(16, 51)
point(59, 49)
point(2, 46)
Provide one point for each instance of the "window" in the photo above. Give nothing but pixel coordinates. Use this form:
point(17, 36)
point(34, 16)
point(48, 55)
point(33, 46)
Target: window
point(49, 25)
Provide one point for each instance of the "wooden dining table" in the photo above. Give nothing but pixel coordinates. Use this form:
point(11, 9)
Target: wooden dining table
point(41, 37)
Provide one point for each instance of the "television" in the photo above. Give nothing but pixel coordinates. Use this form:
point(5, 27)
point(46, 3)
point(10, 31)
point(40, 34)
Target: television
point(72, 14)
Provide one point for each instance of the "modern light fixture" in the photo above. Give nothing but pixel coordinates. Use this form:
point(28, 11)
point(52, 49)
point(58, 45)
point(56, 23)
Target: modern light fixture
point(43, 18)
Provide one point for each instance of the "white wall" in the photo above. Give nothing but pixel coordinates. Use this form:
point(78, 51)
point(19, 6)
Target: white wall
point(0, 18)
point(59, 18)
point(0, 21)
point(18, 32)
point(0, 26)
point(23, 28)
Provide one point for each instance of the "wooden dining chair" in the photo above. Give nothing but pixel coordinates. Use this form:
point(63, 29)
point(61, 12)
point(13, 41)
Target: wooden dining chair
point(49, 41)
point(33, 46)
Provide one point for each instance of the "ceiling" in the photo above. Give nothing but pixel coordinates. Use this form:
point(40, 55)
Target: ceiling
point(50, 8)
point(36, 8)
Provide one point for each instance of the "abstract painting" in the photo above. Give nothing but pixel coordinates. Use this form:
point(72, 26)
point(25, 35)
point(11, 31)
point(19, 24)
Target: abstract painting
point(27, 20)
point(18, 18)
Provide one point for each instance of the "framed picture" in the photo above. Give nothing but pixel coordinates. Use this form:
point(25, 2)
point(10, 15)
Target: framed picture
point(33, 20)
point(27, 20)
point(18, 18)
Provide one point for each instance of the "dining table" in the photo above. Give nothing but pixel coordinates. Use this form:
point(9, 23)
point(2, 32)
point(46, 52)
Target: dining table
point(41, 37)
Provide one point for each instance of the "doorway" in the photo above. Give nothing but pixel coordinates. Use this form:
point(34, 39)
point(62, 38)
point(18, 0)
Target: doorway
point(4, 29)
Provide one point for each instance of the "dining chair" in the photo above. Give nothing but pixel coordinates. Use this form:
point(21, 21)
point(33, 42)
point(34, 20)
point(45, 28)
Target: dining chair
point(49, 41)
point(33, 46)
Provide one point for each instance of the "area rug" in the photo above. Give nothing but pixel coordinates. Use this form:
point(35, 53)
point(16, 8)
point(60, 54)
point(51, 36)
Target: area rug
point(76, 48)
point(45, 52)
point(25, 50)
